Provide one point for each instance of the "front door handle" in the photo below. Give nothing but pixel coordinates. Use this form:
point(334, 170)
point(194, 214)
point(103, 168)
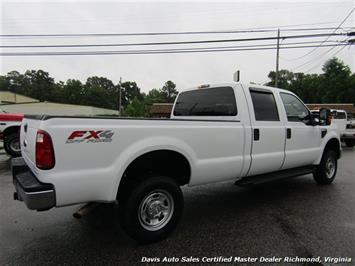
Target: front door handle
point(256, 134)
point(288, 133)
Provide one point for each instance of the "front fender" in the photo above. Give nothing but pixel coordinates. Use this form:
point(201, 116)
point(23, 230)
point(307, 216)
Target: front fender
point(331, 134)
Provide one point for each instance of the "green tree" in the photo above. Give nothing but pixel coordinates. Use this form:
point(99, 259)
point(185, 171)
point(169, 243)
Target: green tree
point(334, 85)
point(70, 92)
point(169, 91)
point(99, 92)
point(155, 96)
point(130, 90)
point(285, 78)
point(38, 84)
point(136, 108)
point(13, 82)
point(336, 82)
point(4, 83)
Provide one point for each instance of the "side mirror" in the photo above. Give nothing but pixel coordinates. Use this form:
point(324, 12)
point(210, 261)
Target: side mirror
point(325, 116)
point(315, 120)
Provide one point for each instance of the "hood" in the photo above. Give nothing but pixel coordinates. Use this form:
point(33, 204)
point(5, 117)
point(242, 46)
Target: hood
point(11, 117)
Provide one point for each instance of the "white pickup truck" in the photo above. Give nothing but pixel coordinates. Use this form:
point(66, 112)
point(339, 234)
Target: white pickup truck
point(242, 132)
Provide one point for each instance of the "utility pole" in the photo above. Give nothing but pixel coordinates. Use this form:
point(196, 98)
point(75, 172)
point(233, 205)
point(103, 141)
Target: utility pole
point(120, 98)
point(277, 59)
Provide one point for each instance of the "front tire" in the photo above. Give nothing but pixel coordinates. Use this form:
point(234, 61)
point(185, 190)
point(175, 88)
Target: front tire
point(152, 209)
point(12, 144)
point(326, 171)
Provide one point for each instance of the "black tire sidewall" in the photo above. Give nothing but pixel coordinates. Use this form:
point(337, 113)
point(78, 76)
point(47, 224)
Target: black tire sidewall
point(7, 140)
point(130, 209)
point(320, 174)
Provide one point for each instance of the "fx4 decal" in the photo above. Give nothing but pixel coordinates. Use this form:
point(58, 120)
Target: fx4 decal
point(90, 136)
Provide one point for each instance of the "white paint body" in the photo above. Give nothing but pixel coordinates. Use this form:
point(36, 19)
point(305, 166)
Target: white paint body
point(216, 150)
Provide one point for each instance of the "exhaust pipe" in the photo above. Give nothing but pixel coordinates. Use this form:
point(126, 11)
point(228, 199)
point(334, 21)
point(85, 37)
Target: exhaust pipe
point(85, 210)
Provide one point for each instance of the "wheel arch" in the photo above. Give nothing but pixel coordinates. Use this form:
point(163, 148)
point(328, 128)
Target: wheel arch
point(332, 143)
point(165, 162)
point(11, 129)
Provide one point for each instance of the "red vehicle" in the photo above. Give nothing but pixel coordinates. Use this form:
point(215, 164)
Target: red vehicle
point(10, 133)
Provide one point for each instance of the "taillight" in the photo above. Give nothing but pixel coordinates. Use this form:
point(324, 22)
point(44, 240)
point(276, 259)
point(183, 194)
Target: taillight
point(44, 151)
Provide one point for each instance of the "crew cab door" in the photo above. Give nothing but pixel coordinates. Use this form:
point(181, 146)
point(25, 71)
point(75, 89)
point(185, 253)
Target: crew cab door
point(302, 139)
point(268, 132)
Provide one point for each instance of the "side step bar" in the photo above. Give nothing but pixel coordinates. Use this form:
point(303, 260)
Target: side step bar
point(283, 174)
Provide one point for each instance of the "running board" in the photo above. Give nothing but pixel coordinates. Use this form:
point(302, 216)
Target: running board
point(269, 177)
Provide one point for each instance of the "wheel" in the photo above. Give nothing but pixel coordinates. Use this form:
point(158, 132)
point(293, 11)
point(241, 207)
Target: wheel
point(327, 169)
point(152, 209)
point(12, 144)
point(350, 143)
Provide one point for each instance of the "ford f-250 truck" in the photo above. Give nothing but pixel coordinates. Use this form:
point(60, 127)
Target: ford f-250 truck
point(242, 132)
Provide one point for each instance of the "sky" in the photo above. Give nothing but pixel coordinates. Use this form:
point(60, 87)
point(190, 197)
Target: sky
point(186, 70)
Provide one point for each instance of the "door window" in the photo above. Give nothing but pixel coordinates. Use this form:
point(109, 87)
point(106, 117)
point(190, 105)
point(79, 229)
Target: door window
point(296, 111)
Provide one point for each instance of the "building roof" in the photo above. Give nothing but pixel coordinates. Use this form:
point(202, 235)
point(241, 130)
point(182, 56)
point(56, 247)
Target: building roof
point(161, 108)
point(17, 103)
point(8, 97)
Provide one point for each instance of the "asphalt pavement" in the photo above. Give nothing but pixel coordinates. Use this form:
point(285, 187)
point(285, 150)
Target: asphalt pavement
point(294, 217)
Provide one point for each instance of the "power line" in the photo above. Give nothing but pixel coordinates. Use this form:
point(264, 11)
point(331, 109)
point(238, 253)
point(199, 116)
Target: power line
point(71, 35)
point(337, 52)
point(157, 51)
point(173, 43)
point(322, 54)
point(114, 44)
point(326, 39)
point(235, 46)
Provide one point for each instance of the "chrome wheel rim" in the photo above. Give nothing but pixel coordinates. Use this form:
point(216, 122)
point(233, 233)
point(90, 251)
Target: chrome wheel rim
point(330, 167)
point(156, 210)
point(15, 145)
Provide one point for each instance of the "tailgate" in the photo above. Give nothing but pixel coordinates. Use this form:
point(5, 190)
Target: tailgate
point(28, 134)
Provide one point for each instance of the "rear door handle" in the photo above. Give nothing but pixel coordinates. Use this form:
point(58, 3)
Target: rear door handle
point(256, 134)
point(288, 133)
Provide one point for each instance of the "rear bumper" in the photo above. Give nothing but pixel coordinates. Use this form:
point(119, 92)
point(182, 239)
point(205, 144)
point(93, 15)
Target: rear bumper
point(35, 194)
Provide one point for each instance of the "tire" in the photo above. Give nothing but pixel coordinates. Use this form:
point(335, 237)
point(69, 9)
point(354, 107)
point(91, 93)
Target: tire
point(152, 209)
point(326, 171)
point(350, 143)
point(12, 144)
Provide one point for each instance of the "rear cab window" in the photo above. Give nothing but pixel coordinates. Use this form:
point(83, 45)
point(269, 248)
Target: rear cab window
point(216, 101)
point(265, 107)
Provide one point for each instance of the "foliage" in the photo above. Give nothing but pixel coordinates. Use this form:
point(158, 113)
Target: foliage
point(136, 109)
point(336, 84)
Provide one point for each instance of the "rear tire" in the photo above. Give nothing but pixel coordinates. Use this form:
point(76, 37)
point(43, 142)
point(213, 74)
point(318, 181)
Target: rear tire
point(326, 171)
point(350, 143)
point(12, 144)
point(152, 209)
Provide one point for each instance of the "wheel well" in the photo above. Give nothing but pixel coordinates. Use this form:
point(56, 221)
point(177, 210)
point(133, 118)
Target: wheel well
point(333, 144)
point(162, 162)
point(10, 130)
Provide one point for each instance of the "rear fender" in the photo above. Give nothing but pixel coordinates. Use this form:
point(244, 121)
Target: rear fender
point(148, 145)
